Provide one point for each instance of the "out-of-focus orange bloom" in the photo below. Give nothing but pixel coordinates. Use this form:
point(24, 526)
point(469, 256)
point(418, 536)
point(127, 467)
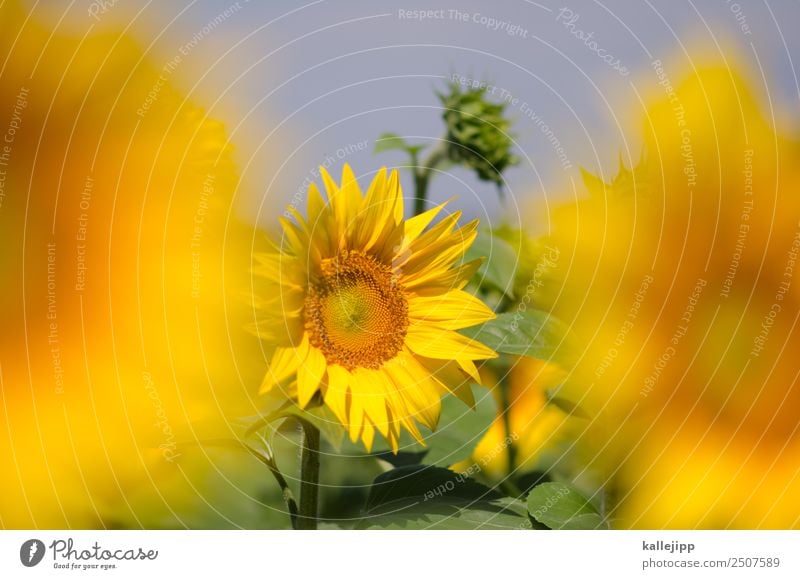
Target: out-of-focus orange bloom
point(679, 282)
point(525, 421)
point(120, 255)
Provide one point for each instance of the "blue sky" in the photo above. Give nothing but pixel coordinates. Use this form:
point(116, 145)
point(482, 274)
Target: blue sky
point(298, 83)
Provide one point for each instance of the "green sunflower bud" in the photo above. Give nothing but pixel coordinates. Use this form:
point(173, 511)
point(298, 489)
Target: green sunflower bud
point(478, 135)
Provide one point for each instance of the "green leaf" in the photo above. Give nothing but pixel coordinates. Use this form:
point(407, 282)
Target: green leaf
point(426, 497)
point(594, 184)
point(460, 429)
point(532, 333)
point(562, 506)
point(392, 141)
point(444, 515)
point(402, 458)
point(447, 515)
point(425, 482)
point(499, 266)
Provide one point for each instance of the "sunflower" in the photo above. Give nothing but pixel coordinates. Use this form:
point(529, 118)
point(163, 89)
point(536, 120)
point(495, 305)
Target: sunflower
point(681, 288)
point(120, 258)
point(369, 307)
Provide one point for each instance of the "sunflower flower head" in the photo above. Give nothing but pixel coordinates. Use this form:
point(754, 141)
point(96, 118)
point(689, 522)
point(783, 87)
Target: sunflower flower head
point(361, 308)
point(682, 291)
point(98, 395)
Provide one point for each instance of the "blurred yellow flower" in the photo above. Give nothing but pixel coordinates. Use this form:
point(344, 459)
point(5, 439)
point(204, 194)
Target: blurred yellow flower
point(525, 422)
point(678, 283)
point(119, 253)
point(362, 307)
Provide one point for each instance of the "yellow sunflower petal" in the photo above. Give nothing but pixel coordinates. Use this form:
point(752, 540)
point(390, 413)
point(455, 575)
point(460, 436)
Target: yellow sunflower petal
point(268, 264)
point(455, 377)
point(375, 212)
point(445, 344)
point(352, 197)
point(368, 435)
point(441, 230)
point(331, 187)
point(273, 267)
point(469, 368)
point(309, 375)
point(442, 253)
point(372, 386)
point(317, 209)
point(396, 192)
point(438, 281)
point(338, 222)
point(414, 226)
point(394, 441)
point(356, 412)
point(397, 418)
point(301, 237)
point(452, 311)
point(336, 390)
point(416, 385)
point(296, 238)
point(284, 363)
point(386, 243)
point(377, 223)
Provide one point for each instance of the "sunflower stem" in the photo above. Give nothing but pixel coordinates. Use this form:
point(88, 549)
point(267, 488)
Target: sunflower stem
point(423, 172)
point(309, 477)
point(267, 458)
point(505, 396)
point(508, 487)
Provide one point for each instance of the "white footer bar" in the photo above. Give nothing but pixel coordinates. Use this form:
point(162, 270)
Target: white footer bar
point(400, 554)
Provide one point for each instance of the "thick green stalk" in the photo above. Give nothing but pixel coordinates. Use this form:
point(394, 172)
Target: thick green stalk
point(423, 172)
point(309, 478)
